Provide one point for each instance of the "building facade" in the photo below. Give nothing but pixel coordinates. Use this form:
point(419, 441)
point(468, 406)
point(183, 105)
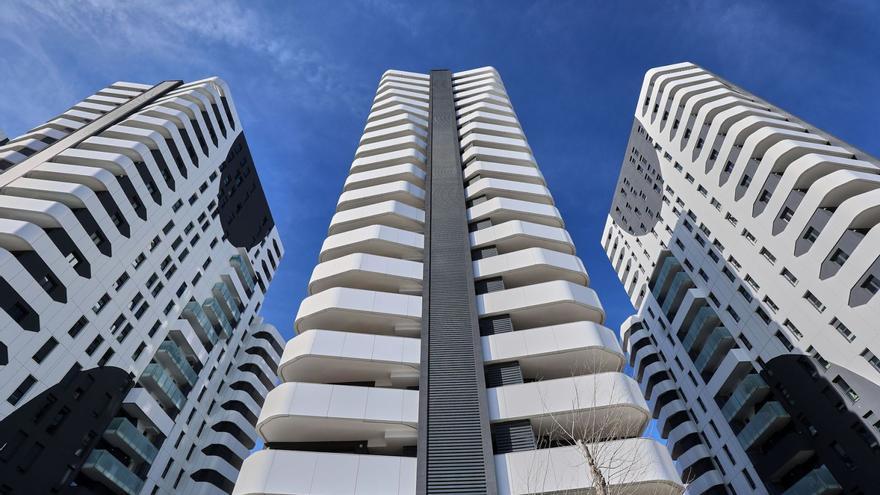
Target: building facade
point(450, 342)
point(136, 246)
point(747, 240)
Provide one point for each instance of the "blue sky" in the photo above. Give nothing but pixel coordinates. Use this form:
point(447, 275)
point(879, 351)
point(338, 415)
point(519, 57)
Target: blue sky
point(303, 76)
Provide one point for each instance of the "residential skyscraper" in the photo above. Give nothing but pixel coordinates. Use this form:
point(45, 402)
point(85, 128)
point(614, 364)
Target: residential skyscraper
point(450, 342)
point(747, 240)
point(136, 246)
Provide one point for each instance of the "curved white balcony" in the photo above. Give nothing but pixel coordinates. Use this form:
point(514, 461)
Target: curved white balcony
point(501, 210)
point(491, 129)
point(488, 117)
point(358, 310)
point(564, 470)
point(380, 240)
point(286, 472)
point(477, 138)
point(391, 144)
point(405, 128)
point(326, 356)
point(395, 120)
point(406, 172)
point(598, 406)
point(516, 235)
point(397, 109)
point(549, 303)
point(495, 188)
point(316, 412)
point(400, 191)
point(391, 213)
point(504, 171)
point(498, 155)
point(367, 271)
point(557, 351)
point(387, 159)
point(531, 266)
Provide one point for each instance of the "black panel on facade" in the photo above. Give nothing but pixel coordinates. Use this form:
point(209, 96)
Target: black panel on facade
point(455, 454)
point(513, 436)
point(244, 211)
point(49, 438)
point(822, 431)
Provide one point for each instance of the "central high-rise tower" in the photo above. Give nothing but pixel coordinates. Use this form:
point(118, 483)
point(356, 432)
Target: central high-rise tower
point(450, 342)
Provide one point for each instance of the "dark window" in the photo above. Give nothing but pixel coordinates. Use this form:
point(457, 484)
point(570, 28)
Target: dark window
point(45, 350)
point(22, 389)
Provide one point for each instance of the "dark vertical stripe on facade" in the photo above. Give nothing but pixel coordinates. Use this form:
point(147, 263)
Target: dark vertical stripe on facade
point(455, 449)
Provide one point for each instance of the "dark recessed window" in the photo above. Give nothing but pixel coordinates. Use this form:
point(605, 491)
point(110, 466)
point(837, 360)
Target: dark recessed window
point(22, 389)
point(45, 350)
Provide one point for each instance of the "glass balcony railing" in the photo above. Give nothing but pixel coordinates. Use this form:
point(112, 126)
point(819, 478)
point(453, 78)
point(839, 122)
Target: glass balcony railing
point(159, 383)
point(764, 423)
point(199, 320)
point(222, 293)
point(716, 346)
point(665, 268)
point(212, 308)
point(125, 435)
point(681, 278)
point(819, 481)
point(696, 328)
point(750, 390)
point(170, 353)
point(101, 466)
point(243, 270)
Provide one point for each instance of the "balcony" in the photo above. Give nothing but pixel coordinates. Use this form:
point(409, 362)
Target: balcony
point(751, 390)
point(563, 470)
point(819, 481)
point(227, 301)
point(406, 172)
point(162, 386)
point(770, 419)
point(557, 351)
point(102, 467)
point(368, 271)
point(171, 357)
point(314, 412)
point(290, 472)
point(518, 173)
point(123, 435)
point(379, 240)
point(716, 346)
point(358, 310)
point(391, 213)
point(516, 235)
point(195, 314)
point(493, 188)
point(697, 328)
point(549, 303)
point(325, 356)
point(217, 317)
point(531, 266)
point(501, 210)
point(673, 296)
point(401, 191)
point(602, 406)
point(244, 272)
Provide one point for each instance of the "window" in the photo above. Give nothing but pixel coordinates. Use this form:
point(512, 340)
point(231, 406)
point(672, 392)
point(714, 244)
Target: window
point(786, 215)
point(749, 479)
point(22, 389)
point(94, 345)
point(814, 301)
point(727, 273)
point(770, 304)
point(78, 326)
point(843, 330)
point(871, 358)
point(139, 261)
point(839, 257)
point(137, 353)
point(744, 293)
point(730, 218)
point(714, 256)
point(793, 329)
point(789, 277)
point(101, 304)
point(715, 203)
point(745, 341)
point(168, 226)
point(752, 282)
point(703, 275)
point(733, 314)
point(734, 262)
point(120, 281)
point(846, 389)
point(749, 236)
point(45, 350)
point(176, 206)
point(871, 284)
point(811, 234)
point(768, 255)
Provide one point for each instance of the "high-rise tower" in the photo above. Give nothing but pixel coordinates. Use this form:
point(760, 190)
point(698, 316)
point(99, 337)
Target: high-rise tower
point(748, 241)
point(136, 246)
point(449, 342)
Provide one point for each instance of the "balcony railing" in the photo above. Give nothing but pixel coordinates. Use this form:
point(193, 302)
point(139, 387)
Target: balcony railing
point(171, 355)
point(768, 420)
point(101, 466)
point(222, 293)
point(750, 390)
point(212, 307)
point(714, 349)
point(159, 382)
point(125, 435)
point(819, 481)
point(243, 270)
point(695, 329)
point(199, 320)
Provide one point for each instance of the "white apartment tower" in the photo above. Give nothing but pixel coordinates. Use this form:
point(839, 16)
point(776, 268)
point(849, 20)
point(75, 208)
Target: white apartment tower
point(136, 247)
point(748, 242)
point(450, 342)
